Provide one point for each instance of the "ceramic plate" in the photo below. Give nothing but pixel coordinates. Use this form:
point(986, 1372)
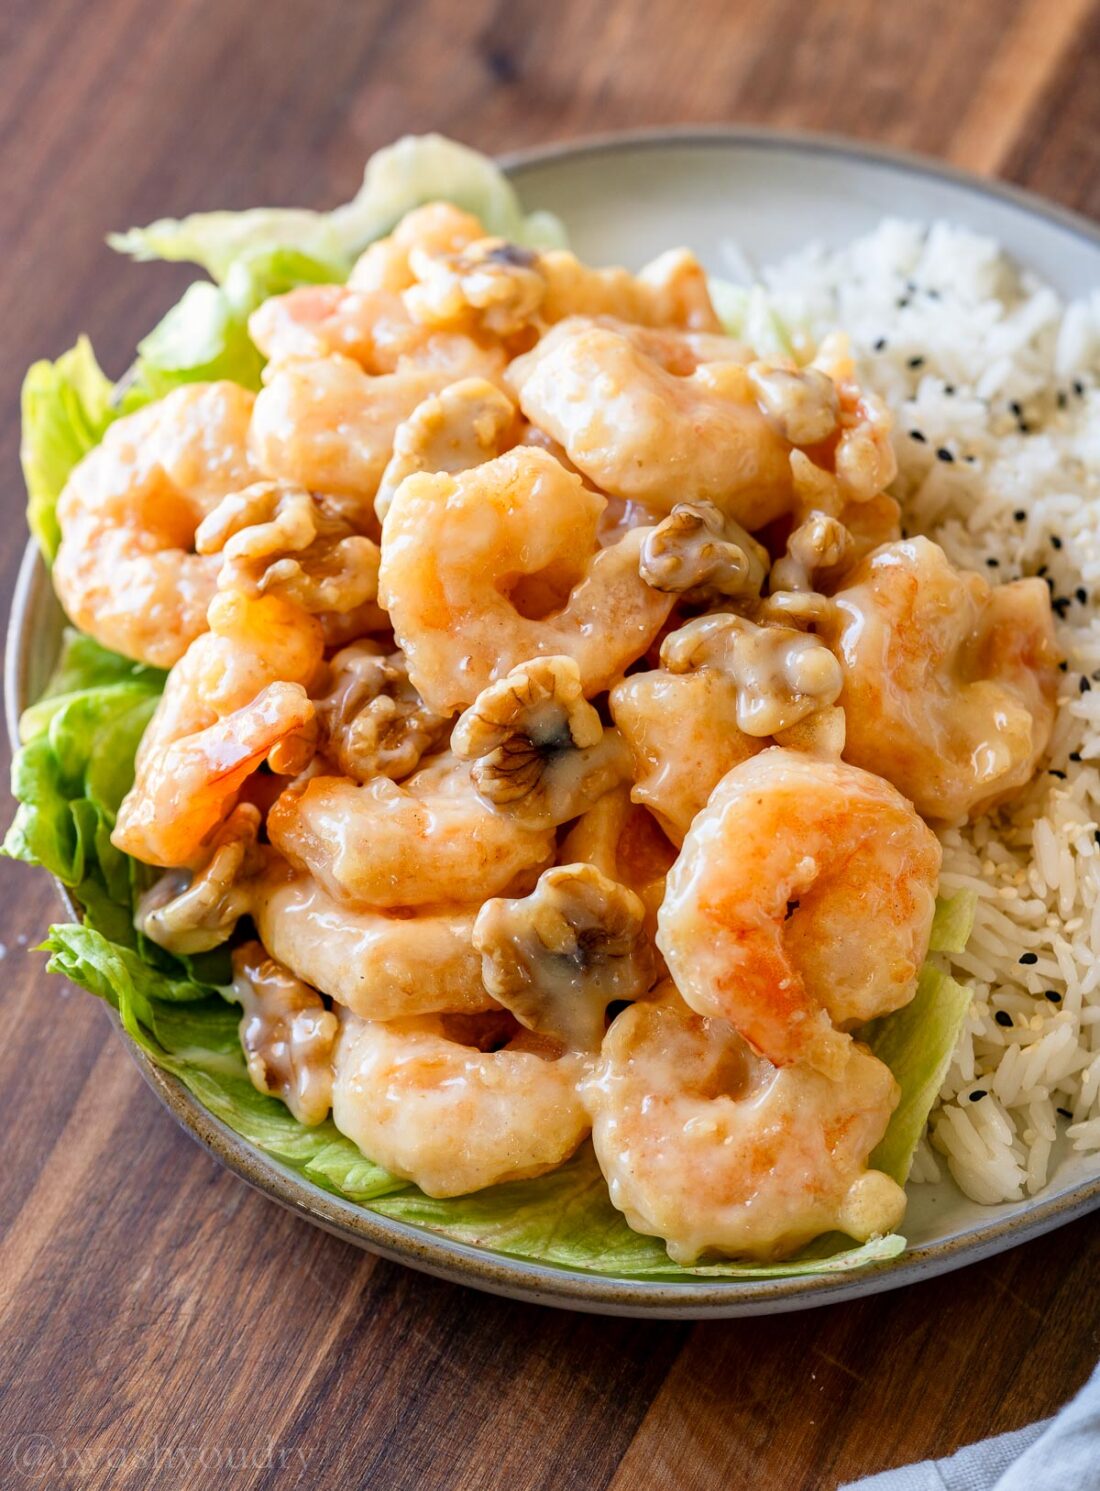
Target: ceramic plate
point(625, 199)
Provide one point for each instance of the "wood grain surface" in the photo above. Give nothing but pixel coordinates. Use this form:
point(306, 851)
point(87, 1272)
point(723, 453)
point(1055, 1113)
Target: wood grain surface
point(161, 1325)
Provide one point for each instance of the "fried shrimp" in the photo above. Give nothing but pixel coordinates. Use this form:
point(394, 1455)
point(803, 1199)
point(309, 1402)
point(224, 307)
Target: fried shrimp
point(235, 699)
point(126, 571)
point(384, 845)
point(683, 736)
point(801, 905)
point(498, 565)
point(435, 228)
point(625, 843)
point(327, 426)
point(383, 965)
point(645, 434)
point(456, 1103)
point(717, 1152)
point(949, 685)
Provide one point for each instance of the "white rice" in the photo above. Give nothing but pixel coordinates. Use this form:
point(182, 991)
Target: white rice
point(992, 368)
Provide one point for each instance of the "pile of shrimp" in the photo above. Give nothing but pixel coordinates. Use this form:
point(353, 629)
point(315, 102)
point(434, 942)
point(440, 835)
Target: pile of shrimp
point(557, 724)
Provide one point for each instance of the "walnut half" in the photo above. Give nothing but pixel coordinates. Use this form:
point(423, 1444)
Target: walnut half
point(193, 911)
point(286, 1032)
point(372, 721)
point(540, 750)
point(558, 957)
point(699, 553)
point(782, 675)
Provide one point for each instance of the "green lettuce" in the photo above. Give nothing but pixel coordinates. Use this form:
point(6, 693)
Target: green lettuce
point(415, 170)
point(66, 408)
point(953, 922)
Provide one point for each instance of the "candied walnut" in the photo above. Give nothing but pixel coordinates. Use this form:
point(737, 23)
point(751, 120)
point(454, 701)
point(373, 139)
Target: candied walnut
point(286, 1032)
point(372, 721)
point(278, 539)
point(191, 911)
point(491, 285)
point(699, 553)
point(540, 750)
point(469, 422)
point(782, 675)
point(558, 957)
point(802, 403)
point(817, 552)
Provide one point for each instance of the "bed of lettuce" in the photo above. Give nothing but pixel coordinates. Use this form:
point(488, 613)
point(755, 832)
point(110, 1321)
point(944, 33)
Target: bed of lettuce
point(77, 743)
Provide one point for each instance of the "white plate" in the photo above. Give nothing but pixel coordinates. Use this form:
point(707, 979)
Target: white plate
point(624, 200)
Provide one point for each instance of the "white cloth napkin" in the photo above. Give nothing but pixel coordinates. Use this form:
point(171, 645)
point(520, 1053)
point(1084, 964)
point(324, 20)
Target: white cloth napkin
point(1057, 1454)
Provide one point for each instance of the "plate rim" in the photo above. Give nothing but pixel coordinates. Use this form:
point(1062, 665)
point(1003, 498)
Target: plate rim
point(499, 1273)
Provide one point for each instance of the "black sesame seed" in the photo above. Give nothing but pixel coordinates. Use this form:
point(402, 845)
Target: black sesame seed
point(1028, 958)
point(879, 345)
point(993, 563)
point(943, 454)
point(949, 389)
point(970, 459)
point(916, 362)
point(1078, 388)
point(1096, 835)
point(903, 302)
point(1015, 408)
point(1054, 772)
point(977, 1095)
point(1055, 541)
point(1062, 399)
point(1063, 666)
point(1075, 755)
point(1002, 1017)
point(919, 436)
point(1050, 583)
point(1023, 427)
point(1084, 686)
point(1020, 515)
point(1053, 996)
point(1061, 605)
point(1065, 1112)
point(933, 294)
point(1041, 571)
point(1082, 595)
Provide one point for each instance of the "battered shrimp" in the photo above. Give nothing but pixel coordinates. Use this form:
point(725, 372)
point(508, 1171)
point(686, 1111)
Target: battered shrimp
point(383, 845)
point(236, 698)
point(126, 571)
point(801, 905)
point(327, 426)
point(373, 328)
point(381, 965)
point(683, 736)
point(626, 844)
point(949, 685)
point(495, 566)
point(466, 424)
point(717, 1152)
point(645, 434)
point(436, 228)
point(497, 287)
point(457, 1103)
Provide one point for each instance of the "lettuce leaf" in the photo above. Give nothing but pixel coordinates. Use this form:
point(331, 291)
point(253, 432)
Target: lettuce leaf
point(412, 171)
point(66, 408)
point(917, 1044)
point(953, 922)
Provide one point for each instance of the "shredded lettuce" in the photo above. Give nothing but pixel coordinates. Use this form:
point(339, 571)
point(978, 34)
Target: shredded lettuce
point(953, 922)
point(415, 170)
point(66, 407)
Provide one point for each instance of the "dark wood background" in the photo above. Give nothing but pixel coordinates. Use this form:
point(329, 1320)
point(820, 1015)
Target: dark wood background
point(162, 1325)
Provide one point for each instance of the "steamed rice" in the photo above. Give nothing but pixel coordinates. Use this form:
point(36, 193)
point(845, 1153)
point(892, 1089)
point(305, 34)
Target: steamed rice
point(993, 381)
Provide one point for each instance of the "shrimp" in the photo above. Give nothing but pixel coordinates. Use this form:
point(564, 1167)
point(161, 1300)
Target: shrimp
point(436, 228)
point(949, 684)
point(456, 1103)
point(801, 905)
point(383, 845)
point(500, 288)
point(236, 698)
point(712, 1149)
point(627, 844)
point(469, 422)
point(380, 965)
point(683, 736)
point(645, 434)
point(498, 565)
point(373, 328)
point(327, 426)
point(126, 571)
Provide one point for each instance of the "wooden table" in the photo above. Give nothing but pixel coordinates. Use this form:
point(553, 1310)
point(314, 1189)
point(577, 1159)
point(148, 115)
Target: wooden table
point(162, 1325)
